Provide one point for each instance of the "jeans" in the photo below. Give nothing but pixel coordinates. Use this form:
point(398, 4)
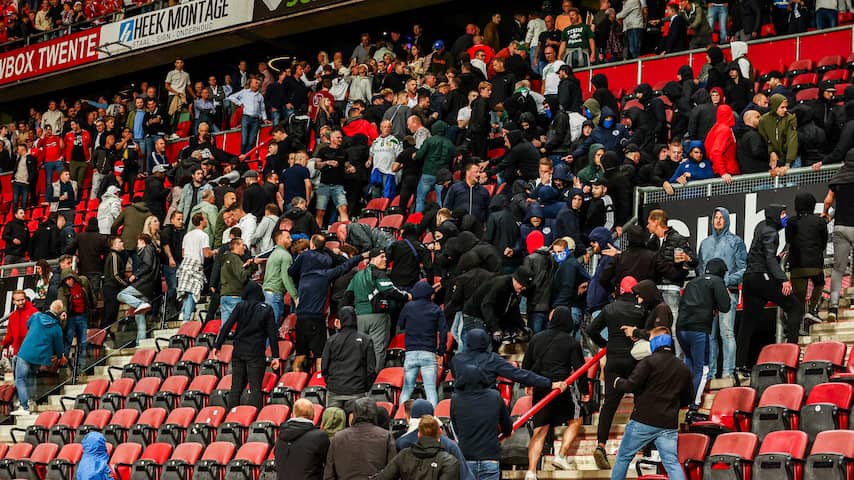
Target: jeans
point(276, 116)
point(843, 239)
point(576, 57)
point(20, 191)
point(250, 127)
point(671, 298)
point(226, 306)
point(470, 323)
point(457, 330)
point(537, 321)
point(637, 436)
point(719, 13)
point(339, 401)
point(25, 381)
point(243, 370)
point(77, 326)
point(724, 324)
point(825, 18)
point(635, 39)
point(49, 169)
point(135, 298)
point(426, 184)
point(188, 307)
point(484, 469)
point(97, 178)
point(275, 300)
point(695, 347)
point(424, 362)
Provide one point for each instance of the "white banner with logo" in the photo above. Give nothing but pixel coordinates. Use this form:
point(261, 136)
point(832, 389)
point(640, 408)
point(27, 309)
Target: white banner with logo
point(186, 20)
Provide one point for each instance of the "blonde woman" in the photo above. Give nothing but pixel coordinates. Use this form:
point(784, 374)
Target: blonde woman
point(152, 228)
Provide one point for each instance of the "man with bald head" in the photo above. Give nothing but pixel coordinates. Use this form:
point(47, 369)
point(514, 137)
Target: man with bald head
point(751, 148)
point(301, 448)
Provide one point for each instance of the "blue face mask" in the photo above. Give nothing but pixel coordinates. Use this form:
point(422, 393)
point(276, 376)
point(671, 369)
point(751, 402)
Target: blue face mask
point(560, 257)
point(608, 123)
point(784, 220)
point(588, 114)
point(660, 341)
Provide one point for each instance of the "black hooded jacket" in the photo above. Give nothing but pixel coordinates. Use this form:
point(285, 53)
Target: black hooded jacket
point(806, 234)
point(704, 296)
point(658, 313)
point(91, 248)
point(478, 412)
point(300, 451)
point(602, 94)
point(544, 267)
point(256, 325)
point(751, 151)
point(17, 229)
point(619, 188)
point(624, 311)
point(812, 139)
point(349, 362)
point(636, 261)
point(846, 136)
point(521, 161)
point(554, 352)
point(501, 228)
point(762, 256)
point(303, 221)
point(703, 115)
point(569, 94)
point(490, 365)
point(425, 460)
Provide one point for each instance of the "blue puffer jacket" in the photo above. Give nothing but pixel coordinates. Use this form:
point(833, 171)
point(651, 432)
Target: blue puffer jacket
point(727, 246)
point(43, 340)
point(95, 463)
point(699, 170)
point(597, 295)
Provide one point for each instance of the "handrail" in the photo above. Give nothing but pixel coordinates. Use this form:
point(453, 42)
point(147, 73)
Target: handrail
point(521, 421)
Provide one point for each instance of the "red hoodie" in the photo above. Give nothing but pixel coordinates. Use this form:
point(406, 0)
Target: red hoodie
point(17, 328)
point(720, 143)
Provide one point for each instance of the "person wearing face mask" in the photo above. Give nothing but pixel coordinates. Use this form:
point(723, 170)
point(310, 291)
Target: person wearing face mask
point(540, 261)
point(570, 281)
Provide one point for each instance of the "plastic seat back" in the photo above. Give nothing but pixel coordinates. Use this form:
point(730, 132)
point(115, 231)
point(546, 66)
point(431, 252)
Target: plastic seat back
point(139, 363)
point(388, 384)
point(123, 458)
point(236, 424)
point(149, 422)
point(213, 462)
point(96, 420)
point(37, 432)
point(778, 409)
point(174, 429)
point(781, 455)
point(205, 425)
point(289, 388)
point(164, 362)
point(150, 463)
point(731, 457)
point(265, 428)
point(186, 335)
point(116, 396)
point(826, 408)
point(246, 464)
point(182, 463)
point(199, 391)
point(191, 361)
point(116, 431)
point(170, 392)
point(63, 466)
point(776, 364)
point(143, 393)
point(65, 429)
point(831, 457)
point(821, 360)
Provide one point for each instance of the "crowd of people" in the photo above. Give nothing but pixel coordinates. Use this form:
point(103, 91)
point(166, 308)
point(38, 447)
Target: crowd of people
point(517, 201)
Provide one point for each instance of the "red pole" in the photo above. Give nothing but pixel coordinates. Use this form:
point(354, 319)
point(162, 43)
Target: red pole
point(554, 393)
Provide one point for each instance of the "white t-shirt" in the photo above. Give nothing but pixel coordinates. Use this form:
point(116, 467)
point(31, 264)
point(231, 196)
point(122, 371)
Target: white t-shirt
point(178, 80)
point(195, 241)
point(551, 78)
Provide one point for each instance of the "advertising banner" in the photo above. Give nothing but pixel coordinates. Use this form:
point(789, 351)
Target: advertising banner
point(182, 21)
point(58, 54)
point(277, 8)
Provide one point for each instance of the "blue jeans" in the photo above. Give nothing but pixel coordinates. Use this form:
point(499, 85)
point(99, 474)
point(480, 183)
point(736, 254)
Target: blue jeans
point(276, 116)
point(49, 169)
point(484, 469)
point(724, 324)
point(133, 297)
point(719, 13)
point(171, 276)
point(577, 57)
point(470, 323)
point(275, 300)
point(424, 362)
point(226, 306)
point(76, 326)
point(20, 191)
point(825, 18)
point(250, 126)
point(537, 321)
point(188, 307)
point(695, 347)
point(635, 38)
point(672, 298)
point(25, 381)
point(637, 436)
point(425, 184)
point(457, 330)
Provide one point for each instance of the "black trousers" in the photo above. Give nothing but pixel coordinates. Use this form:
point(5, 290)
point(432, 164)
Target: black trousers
point(111, 306)
point(479, 144)
point(758, 290)
point(408, 187)
point(245, 369)
point(614, 368)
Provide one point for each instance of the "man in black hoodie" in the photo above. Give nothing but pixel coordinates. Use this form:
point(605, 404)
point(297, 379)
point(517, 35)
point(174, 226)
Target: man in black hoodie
point(17, 239)
point(703, 115)
point(846, 138)
point(502, 231)
point(426, 459)
point(301, 448)
point(764, 281)
point(45, 242)
point(91, 249)
point(349, 362)
point(363, 449)
point(751, 149)
point(807, 237)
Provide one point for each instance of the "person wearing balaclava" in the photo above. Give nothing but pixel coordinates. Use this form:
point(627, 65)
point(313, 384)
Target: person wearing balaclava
point(95, 462)
point(765, 281)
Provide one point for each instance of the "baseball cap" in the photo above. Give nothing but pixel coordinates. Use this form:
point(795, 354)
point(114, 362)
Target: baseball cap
point(158, 169)
point(250, 174)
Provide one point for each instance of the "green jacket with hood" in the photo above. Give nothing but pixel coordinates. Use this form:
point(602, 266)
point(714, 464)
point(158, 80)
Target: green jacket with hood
point(64, 292)
point(438, 151)
point(592, 172)
point(780, 133)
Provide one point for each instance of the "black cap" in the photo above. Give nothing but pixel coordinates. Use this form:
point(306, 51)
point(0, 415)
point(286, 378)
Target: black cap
point(375, 252)
point(631, 148)
point(827, 86)
point(774, 74)
point(524, 276)
point(600, 181)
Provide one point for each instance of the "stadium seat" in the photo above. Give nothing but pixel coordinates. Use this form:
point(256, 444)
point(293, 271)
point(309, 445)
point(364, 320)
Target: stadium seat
point(191, 361)
point(91, 396)
point(804, 80)
point(821, 361)
point(388, 384)
point(369, 221)
point(35, 467)
point(285, 349)
point(15, 452)
point(37, 432)
point(185, 337)
point(198, 393)
point(174, 429)
point(116, 396)
point(138, 365)
point(170, 392)
point(778, 409)
point(289, 388)
point(217, 366)
point(446, 386)
point(265, 428)
point(831, 456)
point(826, 408)
point(806, 95)
point(692, 449)
point(210, 330)
point(731, 457)
point(235, 427)
point(164, 362)
point(219, 397)
point(798, 67)
point(318, 413)
point(142, 432)
point(66, 427)
point(142, 394)
point(395, 207)
point(150, 463)
point(731, 412)
point(246, 464)
point(95, 421)
point(205, 425)
point(781, 455)
point(375, 208)
point(268, 468)
point(315, 391)
point(123, 458)
point(63, 466)
point(836, 76)
point(213, 462)
point(116, 431)
point(391, 223)
point(182, 462)
point(396, 351)
point(829, 62)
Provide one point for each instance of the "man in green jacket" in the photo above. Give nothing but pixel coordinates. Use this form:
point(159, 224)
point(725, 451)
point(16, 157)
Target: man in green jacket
point(367, 284)
point(779, 129)
point(234, 273)
point(435, 153)
point(208, 208)
point(276, 278)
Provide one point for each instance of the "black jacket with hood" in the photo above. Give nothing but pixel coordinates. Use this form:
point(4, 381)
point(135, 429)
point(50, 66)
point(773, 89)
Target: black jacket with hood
point(349, 362)
point(636, 261)
point(602, 94)
point(423, 322)
point(300, 450)
point(846, 135)
point(17, 229)
point(554, 352)
point(812, 139)
point(703, 115)
point(762, 256)
point(91, 248)
point(478, 412)
point(490, 365)
point(658, 313)
point(751, 151)
point(704, 296)
point(425, 460)
point(256, 325)
point(544, 267)
point(303, 222)
point(147, 279)
point(624, 311)
point(521, 161)
point(502, 231)
point(619, 187)
point(806, 234)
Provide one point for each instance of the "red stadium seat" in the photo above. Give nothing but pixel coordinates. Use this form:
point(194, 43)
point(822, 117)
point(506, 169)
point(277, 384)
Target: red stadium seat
point(116, 431)
point(392, 223)
point(210, 330)
point(692, 450)
point(199, 392)
point(804, 80)
point(731, 412)
point(288, 390)
point(37, 432)
point(91, 396)
point(164, 362)
point(315, 391)
point(170, 392)
point(142, 432)
point(388, 384)
point(265, 428)
point(183, 461)
point(174, 429)
point(804, 65)
point(150, 463)
point(836, 76)
point(807, 95)
point(318, 413)
point(821, 360)
point(185, 337)
point(123, 458)
point(116, 396)
point(218, 365)
point(831, 456)
point(247, 462)
point(776, 364)
point(236, 425)
point(15, 452)
point(369, 221)
point(205, 426)
point(138, 365)
point(219, 397)
point(827, 408)
point(190, 361)
point(62, 467)
point(142, 394)
point(829, 62)
point(35, 467)
point(375, 208)
point(848, 375)
point(396, 351)
point(781, 453)
point(216, 457)
point(734, 453)
point(778, 409)
point(395, 207)
point(95, 421)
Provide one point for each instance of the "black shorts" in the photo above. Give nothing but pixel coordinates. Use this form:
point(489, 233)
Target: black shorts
point(310, 336)
point(560, 410)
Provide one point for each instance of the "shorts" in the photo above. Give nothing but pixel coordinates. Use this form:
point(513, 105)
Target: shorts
point(334, 192)
point(310, 336)
point(560, 410)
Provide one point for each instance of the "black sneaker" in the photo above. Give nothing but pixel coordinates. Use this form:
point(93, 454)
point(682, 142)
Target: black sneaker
point(832, 313)
point(601, 458)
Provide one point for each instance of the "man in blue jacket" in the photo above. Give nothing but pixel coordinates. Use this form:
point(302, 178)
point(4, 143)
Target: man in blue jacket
point(730, 248)
point(425, 338)
point(469, 195)
point(41, 346)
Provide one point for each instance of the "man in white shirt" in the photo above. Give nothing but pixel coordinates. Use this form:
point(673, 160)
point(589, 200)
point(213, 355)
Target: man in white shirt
point(195, 248)
point(254, 112)
point(551, 79)
point(383, 153)
point(246, 222)
point(178, 84)
point(52, 117)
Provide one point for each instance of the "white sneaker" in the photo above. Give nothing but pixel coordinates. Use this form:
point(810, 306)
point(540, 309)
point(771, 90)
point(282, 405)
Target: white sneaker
point(561, 462)
point(174, 136)
point(142, 308)
point(529, 475)
point(19, 412)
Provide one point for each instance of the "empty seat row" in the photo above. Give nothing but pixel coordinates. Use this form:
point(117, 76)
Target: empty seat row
point(782, 363)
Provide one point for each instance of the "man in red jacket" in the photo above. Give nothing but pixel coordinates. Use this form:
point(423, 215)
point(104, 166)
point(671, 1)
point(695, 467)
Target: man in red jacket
point(17, 327)
point(78, 148)
point(720, 143)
